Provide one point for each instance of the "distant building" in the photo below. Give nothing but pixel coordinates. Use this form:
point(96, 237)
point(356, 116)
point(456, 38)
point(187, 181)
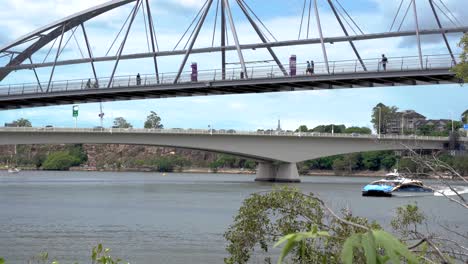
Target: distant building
point(279, 126)
point(404, 122)
point(464, 117)
point(13, 124)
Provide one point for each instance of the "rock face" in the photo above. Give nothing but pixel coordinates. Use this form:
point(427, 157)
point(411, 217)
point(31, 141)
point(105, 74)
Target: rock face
point(111, 155)
point(130, 156)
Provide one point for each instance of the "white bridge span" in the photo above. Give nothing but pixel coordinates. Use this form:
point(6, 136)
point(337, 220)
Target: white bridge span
point(277, 152)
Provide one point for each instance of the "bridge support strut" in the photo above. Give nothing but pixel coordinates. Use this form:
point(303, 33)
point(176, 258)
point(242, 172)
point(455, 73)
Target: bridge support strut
point(284, 172)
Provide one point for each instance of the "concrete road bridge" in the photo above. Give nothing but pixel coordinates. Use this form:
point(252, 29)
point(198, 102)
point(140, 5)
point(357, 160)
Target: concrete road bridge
point(24, 54)
point(276, 152)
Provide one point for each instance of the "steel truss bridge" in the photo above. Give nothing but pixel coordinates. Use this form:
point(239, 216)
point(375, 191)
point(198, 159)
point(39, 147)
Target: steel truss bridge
point(422, 69)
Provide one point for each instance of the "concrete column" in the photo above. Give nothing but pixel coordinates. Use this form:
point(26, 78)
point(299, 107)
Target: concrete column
point(284, 172)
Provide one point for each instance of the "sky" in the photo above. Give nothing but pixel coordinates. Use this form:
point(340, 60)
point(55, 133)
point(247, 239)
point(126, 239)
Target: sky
point(240, 112)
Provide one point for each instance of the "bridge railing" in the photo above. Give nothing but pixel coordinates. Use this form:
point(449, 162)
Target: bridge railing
point(395, 64)
point(221, 132)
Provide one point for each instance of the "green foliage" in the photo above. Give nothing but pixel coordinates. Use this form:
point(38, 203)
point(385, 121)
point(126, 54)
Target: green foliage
point(60, 160)
point(78, 152)
point(169, 163)
point(348, 163)
point(464, 117)
point(371, 160)
point(386, 114)
point(99, 255)
point(329, 129)
point(102, 256)
point(229, 161)
point(22, 122)
point(431, 130)
point(264, 218)
point(153, 121)
point(42, 258)
point(250, 164)
point(407, 220)
point(293, 240)
point(38, 159)
point(460, 164)
point(358, 130)
point(407, 165)
point(379, 247)
point(325, 163)
point(388, 162)
point(425, 130)
point(335, 129)
point(120, 122)
point(302, 128)
point(461, 69)
point(351, 162)
point(63, 160)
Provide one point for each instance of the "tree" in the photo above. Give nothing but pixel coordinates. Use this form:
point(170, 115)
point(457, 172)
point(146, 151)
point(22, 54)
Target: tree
point(425, 130)
point(120, 122)
point(302, 128)
point(263, 218)
point(347, 164)
point(359, 130)
point(22, 122)
point(371, 160)
point(461, 69)
point(329, 129)
point(61, 160)
point(382, 114)
point(388, 161)
point(153, 121)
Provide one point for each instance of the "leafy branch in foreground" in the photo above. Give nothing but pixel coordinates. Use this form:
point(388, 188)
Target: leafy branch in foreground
point(102, 256)
point(99, 255)
point(312, 233)
point(266, 217)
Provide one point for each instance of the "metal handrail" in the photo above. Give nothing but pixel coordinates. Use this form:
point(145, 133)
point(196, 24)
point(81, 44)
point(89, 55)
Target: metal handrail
point(395, 64)
point(222, 132)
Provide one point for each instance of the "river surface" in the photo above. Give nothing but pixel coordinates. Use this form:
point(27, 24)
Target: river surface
point(155, 218)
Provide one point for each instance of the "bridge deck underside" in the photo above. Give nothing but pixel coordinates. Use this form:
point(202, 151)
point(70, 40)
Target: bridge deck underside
point(282, 84)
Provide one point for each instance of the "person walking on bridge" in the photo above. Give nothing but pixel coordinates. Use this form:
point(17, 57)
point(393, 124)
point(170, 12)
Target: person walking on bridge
point(312, 67)
point(138, 79)
point(384, 62)
point(308, 70)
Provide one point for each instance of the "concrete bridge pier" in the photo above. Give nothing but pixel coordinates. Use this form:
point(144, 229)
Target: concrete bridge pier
point(283, 172)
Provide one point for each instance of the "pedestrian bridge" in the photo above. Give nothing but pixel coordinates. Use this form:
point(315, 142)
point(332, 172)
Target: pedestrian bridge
point(277, 73)
point(343, 74)
point(276, 152)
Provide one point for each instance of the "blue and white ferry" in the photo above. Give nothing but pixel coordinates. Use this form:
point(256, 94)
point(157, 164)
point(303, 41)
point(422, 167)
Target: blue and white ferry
point(393, 182)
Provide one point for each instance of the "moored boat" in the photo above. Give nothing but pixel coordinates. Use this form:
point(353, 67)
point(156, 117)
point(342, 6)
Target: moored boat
point(13, 170)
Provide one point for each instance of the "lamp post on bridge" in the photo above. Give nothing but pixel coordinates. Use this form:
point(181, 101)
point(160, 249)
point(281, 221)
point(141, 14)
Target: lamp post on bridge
point(451, 119)
point(380, 118)
point(75, 114)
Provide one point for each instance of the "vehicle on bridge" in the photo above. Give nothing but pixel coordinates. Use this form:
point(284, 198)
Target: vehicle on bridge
point(394, 183)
